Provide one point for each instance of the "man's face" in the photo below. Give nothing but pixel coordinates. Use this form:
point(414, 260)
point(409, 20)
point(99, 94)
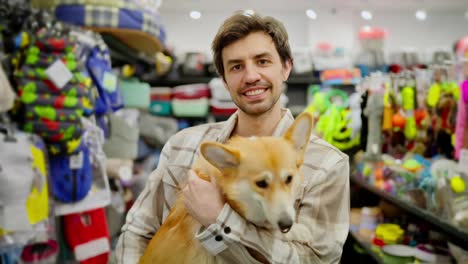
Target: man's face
point(254, 73)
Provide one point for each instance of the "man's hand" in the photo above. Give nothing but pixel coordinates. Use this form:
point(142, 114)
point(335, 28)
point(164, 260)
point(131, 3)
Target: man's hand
point(202, 199)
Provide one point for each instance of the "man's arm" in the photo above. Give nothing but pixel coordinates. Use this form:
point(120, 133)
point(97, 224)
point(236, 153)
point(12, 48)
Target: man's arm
point(145, 216)
point(317, 237)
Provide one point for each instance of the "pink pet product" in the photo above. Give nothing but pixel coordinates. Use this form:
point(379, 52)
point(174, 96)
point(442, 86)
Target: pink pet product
point(461, 130)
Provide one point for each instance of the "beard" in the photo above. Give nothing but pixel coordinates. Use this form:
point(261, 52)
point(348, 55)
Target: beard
point(260, 107)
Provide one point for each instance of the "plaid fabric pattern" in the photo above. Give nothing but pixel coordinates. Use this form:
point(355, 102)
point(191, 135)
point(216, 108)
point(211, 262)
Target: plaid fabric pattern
point(151, 25)
point(129, 4)
point(322, 205)
point(106, 13)
point(101, 16)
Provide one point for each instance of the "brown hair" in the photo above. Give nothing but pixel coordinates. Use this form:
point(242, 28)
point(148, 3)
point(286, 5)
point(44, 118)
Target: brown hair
point(240, 25)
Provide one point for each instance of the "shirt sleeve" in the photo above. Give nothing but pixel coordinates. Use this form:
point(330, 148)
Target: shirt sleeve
point(317, 237)
point(145, 216)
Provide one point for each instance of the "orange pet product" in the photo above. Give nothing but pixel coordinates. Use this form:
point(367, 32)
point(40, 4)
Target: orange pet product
point(420, 115)
point(398, 121)
point(387, 123)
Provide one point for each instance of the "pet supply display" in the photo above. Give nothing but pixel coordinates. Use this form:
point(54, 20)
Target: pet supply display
point(42, 252)
point(190, 108)
point(123, 139)
point(218, 90)
point(222, 108)
point(136, 94)
point(23, 182)
point(7, 96)
point(303, 65)
point(191, 91)
point(87, 235)
point(191, 100)
point(71, 176)
point(194, 64)
point(137, 28)
point(161, 101)
point(98, 195)
point(156, 130)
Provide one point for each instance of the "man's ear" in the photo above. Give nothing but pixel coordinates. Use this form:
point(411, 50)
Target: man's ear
point(219, 155)
point(299, 134)
point(287, 67)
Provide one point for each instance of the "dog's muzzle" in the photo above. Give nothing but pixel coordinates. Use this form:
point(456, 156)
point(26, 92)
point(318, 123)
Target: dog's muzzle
point(285, 224)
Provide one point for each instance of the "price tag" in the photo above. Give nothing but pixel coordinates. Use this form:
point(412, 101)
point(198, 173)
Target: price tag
point(59, 74)
point(463, 161)
point(109, 81)
point(76, 161)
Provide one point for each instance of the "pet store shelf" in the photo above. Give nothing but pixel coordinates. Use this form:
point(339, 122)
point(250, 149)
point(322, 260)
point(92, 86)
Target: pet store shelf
point(367, 247)
point(454, 234)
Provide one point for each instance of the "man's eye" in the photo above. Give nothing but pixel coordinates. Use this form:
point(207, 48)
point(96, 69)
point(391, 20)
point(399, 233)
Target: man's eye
point(263, 62)
point(236, 67)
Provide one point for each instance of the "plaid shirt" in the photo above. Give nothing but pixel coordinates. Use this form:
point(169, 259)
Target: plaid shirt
point(322, 205)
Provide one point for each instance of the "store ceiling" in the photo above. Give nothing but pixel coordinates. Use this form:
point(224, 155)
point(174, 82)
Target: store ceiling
point(409, 5)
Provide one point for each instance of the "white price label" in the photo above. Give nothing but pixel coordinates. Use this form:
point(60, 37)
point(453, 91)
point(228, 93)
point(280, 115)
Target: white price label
point(463, 161)
point(109, 81)
point(76, 161)
point(59, 74)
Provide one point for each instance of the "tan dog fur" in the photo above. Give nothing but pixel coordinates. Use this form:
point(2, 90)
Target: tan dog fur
point(237, 166)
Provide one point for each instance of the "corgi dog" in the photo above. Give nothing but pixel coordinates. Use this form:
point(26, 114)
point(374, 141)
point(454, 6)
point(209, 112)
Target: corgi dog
point(259, 178)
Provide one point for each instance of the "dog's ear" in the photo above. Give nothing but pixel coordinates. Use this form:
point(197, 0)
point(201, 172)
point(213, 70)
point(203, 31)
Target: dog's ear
point(299, 133)
point(219, 155)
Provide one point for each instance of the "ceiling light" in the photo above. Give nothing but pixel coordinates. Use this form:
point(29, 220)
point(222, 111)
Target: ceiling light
point(249, 12)
point(195, 14)
point(367, 15)
point(311, 14)
point(421, 15)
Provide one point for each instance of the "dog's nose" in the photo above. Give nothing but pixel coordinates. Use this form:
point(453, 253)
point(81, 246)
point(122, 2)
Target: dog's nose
point(285, 224)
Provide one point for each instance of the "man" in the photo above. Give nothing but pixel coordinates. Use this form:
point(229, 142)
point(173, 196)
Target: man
point(252, 55)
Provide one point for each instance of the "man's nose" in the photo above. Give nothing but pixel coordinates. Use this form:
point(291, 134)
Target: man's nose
point(251, 74)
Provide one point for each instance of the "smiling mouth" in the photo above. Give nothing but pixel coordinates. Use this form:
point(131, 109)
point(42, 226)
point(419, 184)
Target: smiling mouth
point(255, 92)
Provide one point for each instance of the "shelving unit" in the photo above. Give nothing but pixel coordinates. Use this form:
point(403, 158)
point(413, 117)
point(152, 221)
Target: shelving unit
point(456, 235)
point(367, 247)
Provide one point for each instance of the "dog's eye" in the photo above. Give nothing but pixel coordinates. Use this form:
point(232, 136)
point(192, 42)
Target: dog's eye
point(289, 179)
point(262, 184)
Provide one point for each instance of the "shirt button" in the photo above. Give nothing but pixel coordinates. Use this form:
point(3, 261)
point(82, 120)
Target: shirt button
point(227, 230)
point(218, 238)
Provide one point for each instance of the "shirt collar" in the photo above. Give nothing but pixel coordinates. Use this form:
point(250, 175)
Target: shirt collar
point(228, 127)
